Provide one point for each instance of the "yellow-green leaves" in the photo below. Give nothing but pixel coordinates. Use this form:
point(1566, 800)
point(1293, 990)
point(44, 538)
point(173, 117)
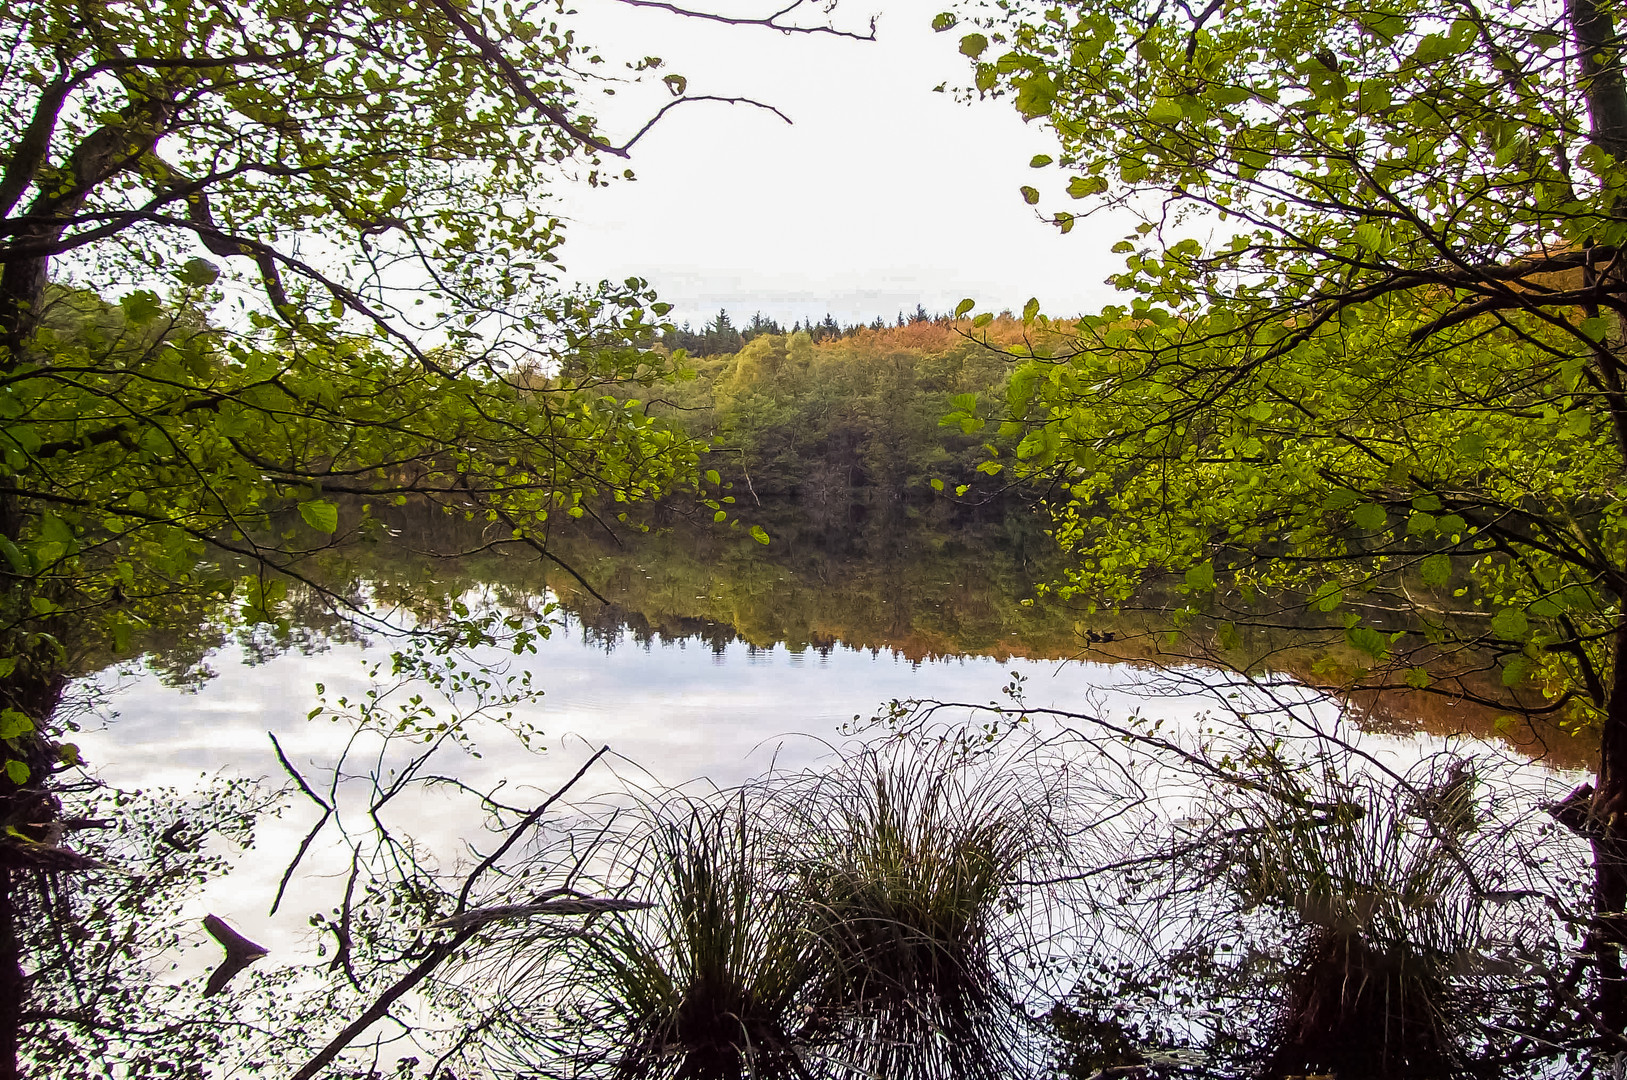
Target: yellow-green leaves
point(320, 515)
point(1035, 95)
point(1201, 578)
point(1368, 516)
point(14, 724)
point(1165, 111)
point(1510, 624)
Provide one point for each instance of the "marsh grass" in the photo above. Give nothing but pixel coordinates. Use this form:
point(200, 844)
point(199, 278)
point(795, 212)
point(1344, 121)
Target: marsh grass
point(908, 861)
point(713, 981)
point(857, 921)
point(1394, 891)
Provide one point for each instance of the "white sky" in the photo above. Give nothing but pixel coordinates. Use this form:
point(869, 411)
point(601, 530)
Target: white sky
point(881, 194)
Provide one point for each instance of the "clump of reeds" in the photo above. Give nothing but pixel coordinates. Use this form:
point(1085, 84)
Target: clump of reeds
point(908, 865)
point(712, 981)
point(863, 920)
point(1382, 878)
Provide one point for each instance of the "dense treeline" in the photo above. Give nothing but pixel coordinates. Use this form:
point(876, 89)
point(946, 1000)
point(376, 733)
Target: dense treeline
point(720, 335)
point(847, 422)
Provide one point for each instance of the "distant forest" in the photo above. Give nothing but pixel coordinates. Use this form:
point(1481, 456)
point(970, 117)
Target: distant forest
point(849, 420)
point(722, 336)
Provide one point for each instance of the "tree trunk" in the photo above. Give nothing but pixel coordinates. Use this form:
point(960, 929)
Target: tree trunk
point(13, 989)
point(1608, 831)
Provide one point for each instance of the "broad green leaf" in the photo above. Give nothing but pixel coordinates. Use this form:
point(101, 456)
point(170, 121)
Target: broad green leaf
point(1510, 624)
point(1201, 578)
point(199, 272)
point(1165, 111)
point(1436, 569)
point(1035, 96)
point(1368, 516)
point(320, 515)
point(1368, 640)
point(14, 723)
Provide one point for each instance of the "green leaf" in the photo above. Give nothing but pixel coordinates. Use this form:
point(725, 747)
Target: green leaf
point(759, 534)
point(141, 306)
point(1201, 578)
point(199, 272)
point(1082, 187)
point(1436, 570)
point(973, 45)
point(1368, 640)
point(713, 478)
point(1165, 111)
point(937, 484)
point(1340, 499)
point(1420, 523)
point(14, 555)
point(983, 320)
point(320, 515)
point(1039, 161)
point(1030, 194)
point(1368, 516)
point(1035, 96)
point(1510, 624)
point(944, 20)
point(1471, 446)
point(963, 307)
point(1418, 678)
point(1030, 309)
point(14, 723)
point(17, 771)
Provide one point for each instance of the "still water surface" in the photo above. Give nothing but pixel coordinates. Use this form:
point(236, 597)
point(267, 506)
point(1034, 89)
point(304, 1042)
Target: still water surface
point(715, 664)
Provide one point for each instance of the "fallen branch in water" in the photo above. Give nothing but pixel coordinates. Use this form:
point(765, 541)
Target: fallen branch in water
point(439, 952)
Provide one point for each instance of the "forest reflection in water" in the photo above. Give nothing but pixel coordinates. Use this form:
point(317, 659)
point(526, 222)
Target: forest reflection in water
point(1069, 883)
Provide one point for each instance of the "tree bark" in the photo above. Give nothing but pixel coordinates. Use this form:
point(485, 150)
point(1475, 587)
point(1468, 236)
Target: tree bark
point(1607, 827)
point(1602, 82)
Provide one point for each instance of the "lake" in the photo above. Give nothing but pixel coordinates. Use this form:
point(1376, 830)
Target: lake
point(710, 661)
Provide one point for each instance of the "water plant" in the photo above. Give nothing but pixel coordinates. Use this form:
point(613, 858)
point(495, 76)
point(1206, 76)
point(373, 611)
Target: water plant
point(712, 982)
point(908, 859)
point(1322, 913)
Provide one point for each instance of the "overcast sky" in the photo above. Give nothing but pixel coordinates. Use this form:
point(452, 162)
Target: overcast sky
point(880, 195)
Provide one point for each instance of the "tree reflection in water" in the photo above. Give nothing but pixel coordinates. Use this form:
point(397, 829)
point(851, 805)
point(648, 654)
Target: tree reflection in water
point(1244, 899)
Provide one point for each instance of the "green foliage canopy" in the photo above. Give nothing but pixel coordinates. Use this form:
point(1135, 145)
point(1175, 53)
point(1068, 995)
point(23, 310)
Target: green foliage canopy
point(1373, 354)
point(257, 259)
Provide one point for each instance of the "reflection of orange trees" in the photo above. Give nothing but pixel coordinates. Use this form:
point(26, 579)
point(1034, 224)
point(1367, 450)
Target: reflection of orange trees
point(934, 586)
point(1467, 697)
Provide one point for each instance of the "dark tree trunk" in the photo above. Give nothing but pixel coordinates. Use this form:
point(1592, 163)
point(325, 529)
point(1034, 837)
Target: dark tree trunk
point(1608, 831)
point(13, 987)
